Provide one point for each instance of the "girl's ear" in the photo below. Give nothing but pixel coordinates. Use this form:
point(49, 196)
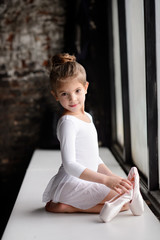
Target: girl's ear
point(54, 95)
point(86, 86)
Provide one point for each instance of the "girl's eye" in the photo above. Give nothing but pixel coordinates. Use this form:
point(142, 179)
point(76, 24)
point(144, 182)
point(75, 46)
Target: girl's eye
point(78, 90)
point(64, 94)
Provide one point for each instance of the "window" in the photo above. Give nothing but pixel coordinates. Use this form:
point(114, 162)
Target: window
point(134, 34)
point(137, 86)
point(117, 76)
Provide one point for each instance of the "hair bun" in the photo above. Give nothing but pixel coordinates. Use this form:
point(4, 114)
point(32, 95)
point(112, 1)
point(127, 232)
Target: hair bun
point(61, 59)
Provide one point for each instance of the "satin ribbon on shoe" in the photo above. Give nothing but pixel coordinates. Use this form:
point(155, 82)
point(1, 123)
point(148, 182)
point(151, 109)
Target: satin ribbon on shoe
point(112, 208)
point(136, 206)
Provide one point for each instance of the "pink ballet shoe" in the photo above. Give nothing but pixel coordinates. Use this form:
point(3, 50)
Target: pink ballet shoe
point(136, 205)
point(113, 207)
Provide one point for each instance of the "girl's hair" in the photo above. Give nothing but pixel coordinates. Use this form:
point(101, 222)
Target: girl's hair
point(65, 66)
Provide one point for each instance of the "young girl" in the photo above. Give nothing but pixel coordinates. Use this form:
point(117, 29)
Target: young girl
point(83, 182)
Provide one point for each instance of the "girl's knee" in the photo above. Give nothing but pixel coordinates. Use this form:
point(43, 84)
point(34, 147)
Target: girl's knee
point(47, 207)
point(57, 207)
point(52, 207)
point(62, 208)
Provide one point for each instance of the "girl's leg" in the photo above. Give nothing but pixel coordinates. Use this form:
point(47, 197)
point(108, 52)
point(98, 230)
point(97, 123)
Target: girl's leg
point(64, 208)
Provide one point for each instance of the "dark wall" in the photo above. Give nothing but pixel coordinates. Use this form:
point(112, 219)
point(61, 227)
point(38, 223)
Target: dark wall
point(86, 37)
point(30, 32)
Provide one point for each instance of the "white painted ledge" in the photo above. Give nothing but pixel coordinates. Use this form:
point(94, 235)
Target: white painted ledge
point(29, 220)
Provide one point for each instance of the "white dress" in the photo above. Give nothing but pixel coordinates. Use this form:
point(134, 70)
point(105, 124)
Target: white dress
point(79, 150)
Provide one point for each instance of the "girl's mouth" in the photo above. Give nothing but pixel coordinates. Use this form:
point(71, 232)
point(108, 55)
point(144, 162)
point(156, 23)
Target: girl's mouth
point(72, 106)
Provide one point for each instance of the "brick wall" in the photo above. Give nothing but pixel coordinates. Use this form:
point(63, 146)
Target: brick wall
point(30, 31)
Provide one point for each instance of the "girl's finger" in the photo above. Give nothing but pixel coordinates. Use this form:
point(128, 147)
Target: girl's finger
point(125, 187)
point(127, 181)
point(127, 184)
point(118, 190)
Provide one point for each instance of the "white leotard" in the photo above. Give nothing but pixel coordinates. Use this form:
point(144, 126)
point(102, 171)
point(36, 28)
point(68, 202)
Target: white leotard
point(79, 150)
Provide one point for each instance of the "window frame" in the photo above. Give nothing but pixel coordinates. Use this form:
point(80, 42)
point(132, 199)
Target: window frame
point(150, 186)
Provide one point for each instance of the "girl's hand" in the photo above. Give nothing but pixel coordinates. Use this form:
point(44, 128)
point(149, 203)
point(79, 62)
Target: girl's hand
point(118, 184)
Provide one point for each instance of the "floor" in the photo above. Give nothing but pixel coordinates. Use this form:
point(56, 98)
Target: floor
point(29, 220)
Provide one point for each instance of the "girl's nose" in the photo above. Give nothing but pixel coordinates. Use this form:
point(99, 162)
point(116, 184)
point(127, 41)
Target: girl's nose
point(72, 97)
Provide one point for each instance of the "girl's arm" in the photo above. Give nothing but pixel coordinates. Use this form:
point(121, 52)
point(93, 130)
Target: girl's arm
point(66, 134)
point(102, 168)
point(114, 182)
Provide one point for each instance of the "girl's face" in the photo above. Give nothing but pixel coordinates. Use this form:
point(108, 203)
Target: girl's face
point(71, 96)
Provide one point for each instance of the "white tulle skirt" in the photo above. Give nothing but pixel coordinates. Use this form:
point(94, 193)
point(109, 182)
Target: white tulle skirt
point(73, 191)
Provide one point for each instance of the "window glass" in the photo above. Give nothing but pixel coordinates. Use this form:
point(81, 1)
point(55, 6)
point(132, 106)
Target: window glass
point(137, 79)
point(117, 71)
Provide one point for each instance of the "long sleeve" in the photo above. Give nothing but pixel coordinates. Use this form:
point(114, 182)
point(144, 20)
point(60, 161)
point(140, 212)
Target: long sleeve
point(100, 161)
point(66, 134)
